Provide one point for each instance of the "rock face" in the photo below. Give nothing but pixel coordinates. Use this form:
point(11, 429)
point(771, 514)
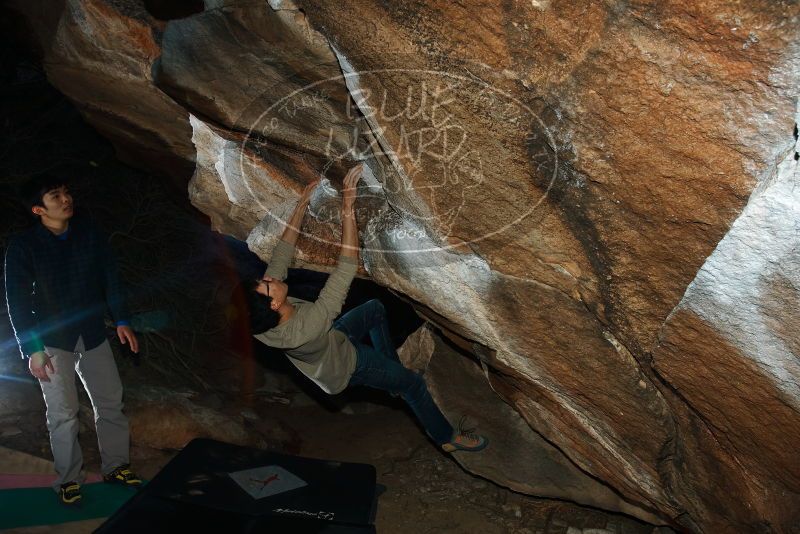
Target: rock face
point(587, 196)
point(165, 419)
point(100, 55)
point(518, 456)
point(727, 351)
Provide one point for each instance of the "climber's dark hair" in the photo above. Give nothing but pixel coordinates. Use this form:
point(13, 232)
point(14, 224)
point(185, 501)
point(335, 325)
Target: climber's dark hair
point(260, 316)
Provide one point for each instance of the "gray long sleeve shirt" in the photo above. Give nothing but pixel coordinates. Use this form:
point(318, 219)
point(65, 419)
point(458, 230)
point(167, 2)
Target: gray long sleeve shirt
point(323, 354)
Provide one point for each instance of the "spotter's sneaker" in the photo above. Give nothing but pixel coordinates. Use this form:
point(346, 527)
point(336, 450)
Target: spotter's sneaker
point(123, 475)
point(70, 494)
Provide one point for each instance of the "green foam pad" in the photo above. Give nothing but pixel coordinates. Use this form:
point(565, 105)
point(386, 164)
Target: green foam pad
point(26, 507)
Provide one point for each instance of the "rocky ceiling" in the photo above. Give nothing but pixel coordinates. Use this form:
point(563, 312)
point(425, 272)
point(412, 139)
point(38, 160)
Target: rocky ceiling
point(595, 198)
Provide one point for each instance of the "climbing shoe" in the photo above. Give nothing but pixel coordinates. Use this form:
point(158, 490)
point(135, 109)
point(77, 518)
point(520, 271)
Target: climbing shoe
point(123, 475)
point(465, 440)
point(70, 494)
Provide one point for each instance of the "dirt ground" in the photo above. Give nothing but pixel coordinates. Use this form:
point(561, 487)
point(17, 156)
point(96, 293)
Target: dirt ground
point(423, 489)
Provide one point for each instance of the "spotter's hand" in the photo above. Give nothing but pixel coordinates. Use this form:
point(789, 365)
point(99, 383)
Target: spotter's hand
point(126, 336)
point(38, 364)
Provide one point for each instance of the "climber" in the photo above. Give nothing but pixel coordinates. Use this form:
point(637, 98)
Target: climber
point(329, 351)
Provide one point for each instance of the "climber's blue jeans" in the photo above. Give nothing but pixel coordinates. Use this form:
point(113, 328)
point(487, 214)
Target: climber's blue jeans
point(379, 367)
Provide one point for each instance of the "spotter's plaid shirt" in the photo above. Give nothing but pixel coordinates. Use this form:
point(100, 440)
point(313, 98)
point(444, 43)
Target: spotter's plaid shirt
point(58, 287)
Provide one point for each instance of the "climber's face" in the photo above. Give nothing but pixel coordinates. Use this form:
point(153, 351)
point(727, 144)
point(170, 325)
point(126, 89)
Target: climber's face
point(273, 288)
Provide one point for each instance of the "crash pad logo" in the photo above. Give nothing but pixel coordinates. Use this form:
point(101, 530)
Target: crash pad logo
point(266, 481)
point(434, 147)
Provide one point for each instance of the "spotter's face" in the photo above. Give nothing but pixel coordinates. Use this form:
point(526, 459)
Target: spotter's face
point(58, 206)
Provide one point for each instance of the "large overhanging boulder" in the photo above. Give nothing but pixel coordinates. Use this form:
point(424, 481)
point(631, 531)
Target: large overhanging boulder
point(595, 199)
point(100, 54)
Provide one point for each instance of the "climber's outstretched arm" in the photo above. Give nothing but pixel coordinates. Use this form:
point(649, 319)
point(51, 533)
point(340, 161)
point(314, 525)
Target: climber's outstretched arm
point(349, 228)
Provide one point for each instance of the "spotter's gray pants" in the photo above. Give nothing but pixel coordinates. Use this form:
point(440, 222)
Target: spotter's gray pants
point(98, 372)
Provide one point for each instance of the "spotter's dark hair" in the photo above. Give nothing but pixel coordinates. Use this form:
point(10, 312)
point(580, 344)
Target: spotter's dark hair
point(35, 189)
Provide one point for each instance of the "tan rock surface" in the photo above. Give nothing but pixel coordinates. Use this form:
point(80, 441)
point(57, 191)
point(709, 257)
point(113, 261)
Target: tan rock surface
point(729, 351)
point(232, 65)
point(517, 455)
point(165, 419)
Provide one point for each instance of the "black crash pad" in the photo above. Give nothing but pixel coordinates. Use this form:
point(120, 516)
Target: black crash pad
point(198, 492)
